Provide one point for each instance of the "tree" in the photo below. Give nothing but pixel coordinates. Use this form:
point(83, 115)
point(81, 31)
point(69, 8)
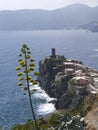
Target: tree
point(26, 73)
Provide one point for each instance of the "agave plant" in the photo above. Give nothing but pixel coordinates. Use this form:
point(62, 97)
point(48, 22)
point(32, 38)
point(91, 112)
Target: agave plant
point(26, 74)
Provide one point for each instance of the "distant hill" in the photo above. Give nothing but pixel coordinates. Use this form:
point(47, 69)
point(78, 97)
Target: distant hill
point(93, 26)
point(36, 19)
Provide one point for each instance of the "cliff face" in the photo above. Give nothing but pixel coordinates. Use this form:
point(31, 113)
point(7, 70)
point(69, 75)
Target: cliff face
point(48, 69)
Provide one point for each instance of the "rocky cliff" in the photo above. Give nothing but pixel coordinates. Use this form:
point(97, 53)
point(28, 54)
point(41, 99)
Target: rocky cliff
point(69, 81)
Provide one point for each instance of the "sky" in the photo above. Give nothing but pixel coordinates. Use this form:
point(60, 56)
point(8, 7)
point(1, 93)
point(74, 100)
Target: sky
point(41, 4)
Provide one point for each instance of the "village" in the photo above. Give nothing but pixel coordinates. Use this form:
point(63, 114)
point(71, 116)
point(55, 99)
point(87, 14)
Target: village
point(85, 78)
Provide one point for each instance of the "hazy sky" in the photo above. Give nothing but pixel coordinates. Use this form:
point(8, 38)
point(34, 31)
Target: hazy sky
point(42, 4)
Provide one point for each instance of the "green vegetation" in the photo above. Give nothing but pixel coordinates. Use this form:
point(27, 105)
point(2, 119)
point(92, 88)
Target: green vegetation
point(25, 73)
point(72, 82)
point(87, 105)
point(61, 120)
point(28, 126)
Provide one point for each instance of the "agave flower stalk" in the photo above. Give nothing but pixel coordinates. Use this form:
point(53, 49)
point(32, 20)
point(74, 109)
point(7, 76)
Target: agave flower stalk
point(26, 65)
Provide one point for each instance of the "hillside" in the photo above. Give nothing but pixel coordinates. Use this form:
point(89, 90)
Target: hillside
point(36, 19)
point(93, 26)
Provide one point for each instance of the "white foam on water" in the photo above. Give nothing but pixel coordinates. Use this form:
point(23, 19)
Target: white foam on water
point(46, 108)
point(42, 100)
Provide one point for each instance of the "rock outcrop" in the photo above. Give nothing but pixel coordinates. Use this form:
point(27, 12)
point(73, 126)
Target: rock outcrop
point(67, 80)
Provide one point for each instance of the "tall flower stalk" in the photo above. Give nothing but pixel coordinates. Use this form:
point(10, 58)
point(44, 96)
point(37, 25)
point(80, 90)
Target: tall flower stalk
point(26, 73)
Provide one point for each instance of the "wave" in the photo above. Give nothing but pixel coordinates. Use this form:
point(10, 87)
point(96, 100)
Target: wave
point(42, 100)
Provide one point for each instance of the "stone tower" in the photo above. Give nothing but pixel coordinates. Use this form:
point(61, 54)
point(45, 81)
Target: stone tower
point(53, 55)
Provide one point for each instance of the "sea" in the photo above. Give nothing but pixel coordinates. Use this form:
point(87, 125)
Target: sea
point(73, 44)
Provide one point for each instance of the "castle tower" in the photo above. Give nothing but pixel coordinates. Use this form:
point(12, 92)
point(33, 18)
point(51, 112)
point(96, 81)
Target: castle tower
point(53, 53)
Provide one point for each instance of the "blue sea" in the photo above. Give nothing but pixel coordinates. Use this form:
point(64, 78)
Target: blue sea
point(73, 44)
